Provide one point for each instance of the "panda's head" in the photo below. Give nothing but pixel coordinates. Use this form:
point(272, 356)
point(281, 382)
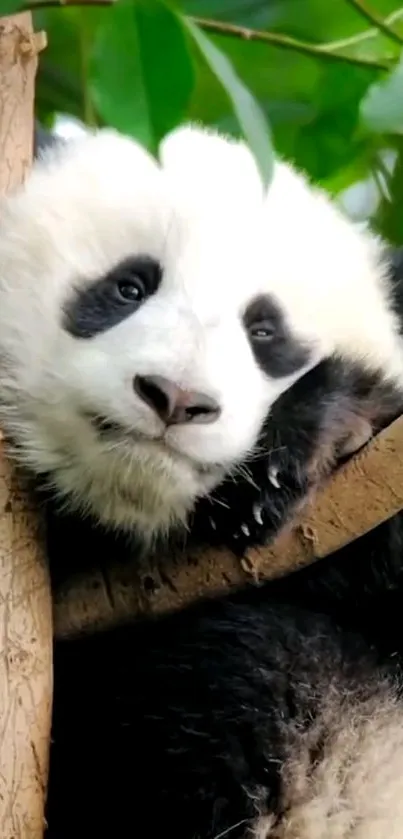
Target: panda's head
point(139, 351)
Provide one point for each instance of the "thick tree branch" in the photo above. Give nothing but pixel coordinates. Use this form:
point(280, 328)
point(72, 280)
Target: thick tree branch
point(361, 494)
point(25, 601)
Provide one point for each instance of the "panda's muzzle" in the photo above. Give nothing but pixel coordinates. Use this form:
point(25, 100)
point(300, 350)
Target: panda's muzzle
point(174, 405)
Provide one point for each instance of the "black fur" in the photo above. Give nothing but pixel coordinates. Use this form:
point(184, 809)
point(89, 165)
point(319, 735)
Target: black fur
point(44, 139)
point(182, 726)
point(301, 443)
point(396, 277)
point(104, 302)
point(276, 350)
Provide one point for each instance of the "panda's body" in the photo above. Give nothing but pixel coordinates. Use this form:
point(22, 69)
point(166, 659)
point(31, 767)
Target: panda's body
point(252, 716)
point(218, 400)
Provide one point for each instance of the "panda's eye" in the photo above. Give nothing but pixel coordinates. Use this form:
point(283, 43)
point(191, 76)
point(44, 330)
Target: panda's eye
point(131, 289)
point(262, 331)
point(107, 301)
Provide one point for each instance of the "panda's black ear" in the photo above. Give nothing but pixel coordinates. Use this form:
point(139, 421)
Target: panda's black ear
point(395, 272)
point(43, 139)
point(396, 261)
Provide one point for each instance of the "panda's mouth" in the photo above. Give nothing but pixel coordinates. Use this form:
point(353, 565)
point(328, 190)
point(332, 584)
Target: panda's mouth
point(108, 429)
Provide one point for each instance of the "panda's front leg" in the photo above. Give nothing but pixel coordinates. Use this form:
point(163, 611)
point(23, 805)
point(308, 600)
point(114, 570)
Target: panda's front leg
point(298, 448)
point(288, 482)
point(257, 504)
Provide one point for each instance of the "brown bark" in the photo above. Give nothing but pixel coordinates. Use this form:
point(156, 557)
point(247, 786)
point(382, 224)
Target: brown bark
point(25, 603)
point(360, 495)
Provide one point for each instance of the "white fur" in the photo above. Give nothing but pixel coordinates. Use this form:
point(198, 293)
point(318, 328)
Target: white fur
point(329, 276)
point(355, 791)
point(84, 208)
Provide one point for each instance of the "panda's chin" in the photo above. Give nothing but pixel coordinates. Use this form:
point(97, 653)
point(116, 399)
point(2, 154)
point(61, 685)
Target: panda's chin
point(157, 493)
point(132, 482)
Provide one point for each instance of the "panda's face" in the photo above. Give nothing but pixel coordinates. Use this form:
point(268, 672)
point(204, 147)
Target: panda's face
point(139, 350)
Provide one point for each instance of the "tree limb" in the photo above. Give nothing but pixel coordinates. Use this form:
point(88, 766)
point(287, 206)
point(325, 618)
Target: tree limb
point(25, 600)
point(286, 42)
point(376, 20)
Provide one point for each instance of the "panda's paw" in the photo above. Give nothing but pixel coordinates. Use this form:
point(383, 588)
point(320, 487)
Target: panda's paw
point(284, 492)
point(252, 511)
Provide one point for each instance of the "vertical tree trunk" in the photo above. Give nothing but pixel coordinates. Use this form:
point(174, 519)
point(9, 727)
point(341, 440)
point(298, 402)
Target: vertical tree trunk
point(25, 602)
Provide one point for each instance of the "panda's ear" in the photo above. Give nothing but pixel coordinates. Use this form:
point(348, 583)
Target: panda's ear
point(395, 260)
point(44, 139)
point(205, 160)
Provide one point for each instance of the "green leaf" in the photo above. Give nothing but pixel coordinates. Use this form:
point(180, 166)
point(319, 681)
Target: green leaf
point(62, 83)
point(251, 118)
point(10, 7)
point(382, 107)
point(389, 217)
point(141, 70)
point(331, 139)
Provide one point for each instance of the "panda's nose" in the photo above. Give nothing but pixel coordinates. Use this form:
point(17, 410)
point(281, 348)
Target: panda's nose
point(173, 404)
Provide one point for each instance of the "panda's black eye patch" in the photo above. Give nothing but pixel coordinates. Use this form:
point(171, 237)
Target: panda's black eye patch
point(276, 350)
point(112, 298)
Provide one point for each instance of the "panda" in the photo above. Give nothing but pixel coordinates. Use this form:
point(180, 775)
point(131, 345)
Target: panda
point(162, 350)
point(151, 317)
point(353, 392)
point(120, 290)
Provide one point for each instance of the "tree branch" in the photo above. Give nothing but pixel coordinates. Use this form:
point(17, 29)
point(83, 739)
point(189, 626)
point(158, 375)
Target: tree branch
point(25, 598)
point(375, 20)
point(320, 51)
point(366, 35)
point(33, 5)
point(288, 43)
point(364, 492)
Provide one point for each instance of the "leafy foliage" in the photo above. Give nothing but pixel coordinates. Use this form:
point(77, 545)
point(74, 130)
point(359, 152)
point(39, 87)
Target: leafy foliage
point(327, 77)
point(250, 117)
point(382, 107)
point(149, 62)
